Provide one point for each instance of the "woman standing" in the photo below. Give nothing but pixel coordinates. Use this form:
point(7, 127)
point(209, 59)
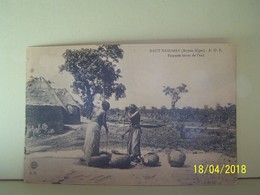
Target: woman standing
point(133, 143)
point(92, 139)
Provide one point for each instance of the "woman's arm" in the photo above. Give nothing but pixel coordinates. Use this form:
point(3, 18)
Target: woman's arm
point(125, 133)
point(132, 115)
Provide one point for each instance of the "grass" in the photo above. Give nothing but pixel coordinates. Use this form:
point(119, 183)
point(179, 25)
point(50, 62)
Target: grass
point(165, 137)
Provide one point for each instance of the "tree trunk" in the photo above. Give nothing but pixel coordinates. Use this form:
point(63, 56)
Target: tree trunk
point(173, 105)
point(88, 110)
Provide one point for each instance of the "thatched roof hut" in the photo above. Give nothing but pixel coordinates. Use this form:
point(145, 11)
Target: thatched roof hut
point(43, 106)
point(72, 108)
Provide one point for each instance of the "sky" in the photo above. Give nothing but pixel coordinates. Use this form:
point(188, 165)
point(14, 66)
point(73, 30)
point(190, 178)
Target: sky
point(208, 70)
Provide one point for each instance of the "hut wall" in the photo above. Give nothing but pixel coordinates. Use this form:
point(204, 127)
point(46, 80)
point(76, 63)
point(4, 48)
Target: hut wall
point(51, 115)
point(71, 115)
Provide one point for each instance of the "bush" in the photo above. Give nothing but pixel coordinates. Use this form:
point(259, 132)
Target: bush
point(40, 130)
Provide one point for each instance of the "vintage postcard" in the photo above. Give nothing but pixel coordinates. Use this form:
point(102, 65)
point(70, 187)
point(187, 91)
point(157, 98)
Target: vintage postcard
point(131, 114)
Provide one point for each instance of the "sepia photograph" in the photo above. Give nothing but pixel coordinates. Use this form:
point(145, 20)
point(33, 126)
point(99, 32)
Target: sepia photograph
point(131, 114)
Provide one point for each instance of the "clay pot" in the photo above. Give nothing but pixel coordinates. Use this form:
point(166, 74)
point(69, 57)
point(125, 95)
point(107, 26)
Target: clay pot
point(120, 160)
point(151, 159)
point(176, 158)
point(100, 161)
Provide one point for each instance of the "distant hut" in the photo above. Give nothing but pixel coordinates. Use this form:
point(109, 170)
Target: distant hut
point(72, 112)
point(43, 106)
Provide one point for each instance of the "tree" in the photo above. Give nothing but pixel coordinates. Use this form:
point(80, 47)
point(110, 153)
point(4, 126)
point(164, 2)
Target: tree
point(94, 72)
point(231, 113)
point(143, 108)
point(174, 93)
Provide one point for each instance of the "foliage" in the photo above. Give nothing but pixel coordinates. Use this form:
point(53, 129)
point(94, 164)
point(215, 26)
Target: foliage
point(174, 93)
point(95, 72)
point(219, 116)
point(40, 130)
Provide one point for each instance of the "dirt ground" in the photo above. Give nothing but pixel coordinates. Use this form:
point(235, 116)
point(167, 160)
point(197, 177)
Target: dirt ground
point(55, 159)
point(64, 167)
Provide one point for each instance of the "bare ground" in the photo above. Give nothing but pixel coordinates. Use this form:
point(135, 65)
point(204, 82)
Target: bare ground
point(55, 159)
point(63, 167)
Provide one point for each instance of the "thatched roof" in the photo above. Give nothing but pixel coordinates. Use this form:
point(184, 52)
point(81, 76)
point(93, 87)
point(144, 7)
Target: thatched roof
point(39, 92)
point(66, 97)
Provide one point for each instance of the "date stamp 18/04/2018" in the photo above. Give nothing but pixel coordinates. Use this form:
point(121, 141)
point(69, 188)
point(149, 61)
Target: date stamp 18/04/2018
point(219, 169)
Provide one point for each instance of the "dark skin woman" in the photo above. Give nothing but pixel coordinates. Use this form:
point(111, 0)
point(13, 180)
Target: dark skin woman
point(135, 132)
point(92, 139)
